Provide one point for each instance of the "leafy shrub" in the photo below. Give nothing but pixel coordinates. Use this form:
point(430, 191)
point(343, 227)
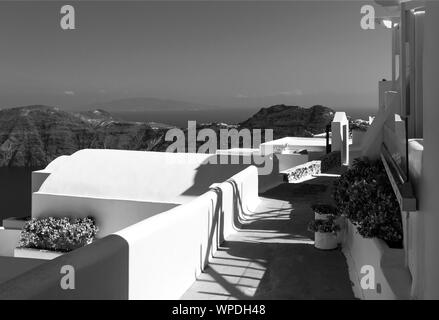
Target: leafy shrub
point(365, 196)
point(325, 226)
point(330, 160)
point(58, 234)
point(324, 209)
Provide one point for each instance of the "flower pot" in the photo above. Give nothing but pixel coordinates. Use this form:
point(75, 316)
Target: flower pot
point(325, 240)
point(36, 253)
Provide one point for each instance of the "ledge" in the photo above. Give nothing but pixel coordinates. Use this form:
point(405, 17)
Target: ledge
point(392, 277)
point(403, 190)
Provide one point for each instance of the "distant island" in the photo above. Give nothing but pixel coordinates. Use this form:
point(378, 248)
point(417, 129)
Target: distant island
point(33, 136)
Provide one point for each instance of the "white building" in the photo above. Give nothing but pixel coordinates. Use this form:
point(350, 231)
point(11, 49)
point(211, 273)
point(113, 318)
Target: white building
point(404, 135)
point(144, 201)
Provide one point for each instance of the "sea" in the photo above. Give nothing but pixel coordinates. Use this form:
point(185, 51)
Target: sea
point(180, 118)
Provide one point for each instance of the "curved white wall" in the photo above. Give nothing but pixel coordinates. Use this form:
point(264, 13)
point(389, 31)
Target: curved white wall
point(168, 251)
point(126, 175)
point(119, 188)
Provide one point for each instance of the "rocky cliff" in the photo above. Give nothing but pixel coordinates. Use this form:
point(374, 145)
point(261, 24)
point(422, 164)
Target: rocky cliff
point(293, 121)
point(35, 135)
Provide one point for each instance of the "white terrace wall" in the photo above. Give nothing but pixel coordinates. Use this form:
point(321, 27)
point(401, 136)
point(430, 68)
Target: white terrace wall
point(340, 136)
point(120, 188)
point(428, 214)
point(169, 250)
point(137, 175)
point(38, 177)
point(8, 241)
point(392, 280)
point(111, 214)
point(133, 175)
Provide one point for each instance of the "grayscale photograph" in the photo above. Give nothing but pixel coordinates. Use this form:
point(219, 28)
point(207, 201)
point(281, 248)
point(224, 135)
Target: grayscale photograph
point(197, 152)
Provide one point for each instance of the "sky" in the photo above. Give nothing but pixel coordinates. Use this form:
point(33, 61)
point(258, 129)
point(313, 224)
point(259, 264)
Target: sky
point(222, 53)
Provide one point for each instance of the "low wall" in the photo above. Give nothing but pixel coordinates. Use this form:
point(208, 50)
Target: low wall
point(392, 279)
point(287, 161)
point(8, 241)
point(303, 171)
point(414, 230)
point(168, 251)
point(111, 215)
point(100, 272)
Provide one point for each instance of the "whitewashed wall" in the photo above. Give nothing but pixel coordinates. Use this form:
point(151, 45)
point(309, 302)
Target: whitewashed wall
point(8, 241)
point(168, 251)
point(428, 215)
point(111, 214)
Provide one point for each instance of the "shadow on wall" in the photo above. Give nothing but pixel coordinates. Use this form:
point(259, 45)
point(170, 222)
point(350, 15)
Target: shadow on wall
point(216, 241)
point(216, 221)
point(275, 250)
point(223, 167)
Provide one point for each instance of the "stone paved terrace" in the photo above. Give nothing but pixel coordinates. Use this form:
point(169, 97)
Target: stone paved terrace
point(272, 255)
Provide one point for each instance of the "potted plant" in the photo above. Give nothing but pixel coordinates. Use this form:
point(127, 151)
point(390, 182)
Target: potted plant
point(48, 238)
point(327, 211)
point(323, 211)
point(325, 233)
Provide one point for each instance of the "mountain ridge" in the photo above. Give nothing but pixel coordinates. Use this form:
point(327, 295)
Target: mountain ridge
point(35, 135)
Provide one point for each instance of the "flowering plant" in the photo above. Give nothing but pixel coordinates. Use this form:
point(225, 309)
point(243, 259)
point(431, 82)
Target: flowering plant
point(302, 171)
point(324, 226)
point(58, 234)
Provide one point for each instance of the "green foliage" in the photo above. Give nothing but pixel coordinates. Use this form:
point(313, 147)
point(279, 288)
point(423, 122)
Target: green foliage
point(325, 226)
point(58, 234)
point(365, 196)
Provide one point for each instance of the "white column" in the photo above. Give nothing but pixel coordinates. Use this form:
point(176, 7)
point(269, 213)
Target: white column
point(340, 136)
